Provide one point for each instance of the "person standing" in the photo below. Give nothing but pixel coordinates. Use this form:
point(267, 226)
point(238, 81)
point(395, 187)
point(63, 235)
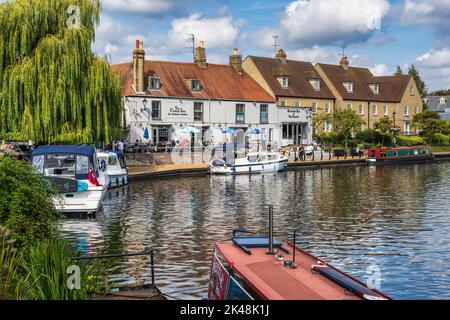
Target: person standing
point(120, 146)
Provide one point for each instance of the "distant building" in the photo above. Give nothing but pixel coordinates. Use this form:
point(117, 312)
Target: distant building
point(166, 97)
point(440, 104)
point(298, 89)
point(373, 97)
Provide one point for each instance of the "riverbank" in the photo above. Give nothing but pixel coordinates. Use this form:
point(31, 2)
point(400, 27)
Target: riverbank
point(154, 171)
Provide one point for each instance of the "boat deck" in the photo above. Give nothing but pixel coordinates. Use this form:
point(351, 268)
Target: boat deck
point(133, 293)
point(274, 281)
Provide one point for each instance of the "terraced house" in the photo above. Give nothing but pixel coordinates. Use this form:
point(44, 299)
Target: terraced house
point(299, 90)
point(373, 98)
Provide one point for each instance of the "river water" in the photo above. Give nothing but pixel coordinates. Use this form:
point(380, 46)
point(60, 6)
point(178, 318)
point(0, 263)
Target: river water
point(394, 219)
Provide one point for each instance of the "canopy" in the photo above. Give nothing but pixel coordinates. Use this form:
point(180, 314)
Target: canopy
point(65, 149)
point(255, 131)
point(146, 135)
point(190, 130)
point(230, 130)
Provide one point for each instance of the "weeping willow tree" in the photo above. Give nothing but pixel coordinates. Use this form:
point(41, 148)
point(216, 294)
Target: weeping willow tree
point(53, 88)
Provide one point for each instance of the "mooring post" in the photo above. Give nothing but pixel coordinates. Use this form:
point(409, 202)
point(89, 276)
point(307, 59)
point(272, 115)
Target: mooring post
point(152, 266)
point(270, 230)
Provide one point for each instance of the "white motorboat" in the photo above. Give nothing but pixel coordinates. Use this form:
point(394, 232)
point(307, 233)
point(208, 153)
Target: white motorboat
point(252, 163)
point(116, 167)
point(76, 173)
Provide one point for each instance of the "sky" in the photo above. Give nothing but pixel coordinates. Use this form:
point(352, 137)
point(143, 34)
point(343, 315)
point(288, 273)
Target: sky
point(378, 34)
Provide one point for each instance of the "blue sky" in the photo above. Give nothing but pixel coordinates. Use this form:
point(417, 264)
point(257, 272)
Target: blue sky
point(379, 34)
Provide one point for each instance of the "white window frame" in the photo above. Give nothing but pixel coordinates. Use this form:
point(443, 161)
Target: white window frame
point(349, 86)
point(386, 110)
point(285, 82)
point(196, 89)
point(298, 104)
point(406, 111)
point(412, 92)
point(417, 109)
point(349, 106)
point(315, 106)
point(158, 88)
point(327, 107)
point(328, 126)
point(375, 110)
point(361, 109)
point(376, 88)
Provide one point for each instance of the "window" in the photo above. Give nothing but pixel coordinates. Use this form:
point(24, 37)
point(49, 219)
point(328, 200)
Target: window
point(264, 113)
point(407, 127)
point(349, 86)
point(285, 82)
point(406, 111)
point(315, 83)
point(282, 103)
point(240, 113)
point(298, 104)
point(328, 107)
point(314, 107)
point(156, 110)
point(328, 126)
point(361, 109)
point(417, 109)
point(411, 90)
point(155, 83)
point(38, 163)
point(198, 111)
point(195, 85)
point(375, 110)
point(349, 106)
point(375, 88)
point(385, 110)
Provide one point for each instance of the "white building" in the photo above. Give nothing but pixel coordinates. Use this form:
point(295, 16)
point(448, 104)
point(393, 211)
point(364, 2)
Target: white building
point(166, 97)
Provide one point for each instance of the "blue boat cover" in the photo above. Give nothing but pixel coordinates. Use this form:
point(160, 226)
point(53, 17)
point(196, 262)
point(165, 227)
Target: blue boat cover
point(65, 149)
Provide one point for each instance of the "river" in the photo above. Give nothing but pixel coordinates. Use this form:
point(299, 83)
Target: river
point(395, 218)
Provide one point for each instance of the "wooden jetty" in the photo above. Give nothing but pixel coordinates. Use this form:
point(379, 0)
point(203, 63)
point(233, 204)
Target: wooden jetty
point(146, 292)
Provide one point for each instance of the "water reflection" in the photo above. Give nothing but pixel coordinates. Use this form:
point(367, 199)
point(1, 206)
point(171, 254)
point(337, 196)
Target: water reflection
point(354, 217)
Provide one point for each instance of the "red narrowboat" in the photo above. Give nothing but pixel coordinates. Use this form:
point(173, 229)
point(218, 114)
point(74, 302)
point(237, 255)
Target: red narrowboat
point(262, 268)
point(396, 155)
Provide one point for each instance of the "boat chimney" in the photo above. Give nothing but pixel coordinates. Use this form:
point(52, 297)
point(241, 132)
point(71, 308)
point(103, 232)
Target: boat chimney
point(270, 230)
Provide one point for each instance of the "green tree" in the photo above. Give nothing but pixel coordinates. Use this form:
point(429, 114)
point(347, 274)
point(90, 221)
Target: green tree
point(345, 123)
point(421, 86)
point(384, 127)
point(399, 71)
point(429, 123)
point(52, 87)
point(26, 206)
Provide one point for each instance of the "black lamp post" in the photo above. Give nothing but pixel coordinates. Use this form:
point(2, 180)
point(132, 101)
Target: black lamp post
point(394, 128)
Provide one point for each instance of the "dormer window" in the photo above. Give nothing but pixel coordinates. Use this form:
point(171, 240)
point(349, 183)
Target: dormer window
point(442, 101)
point(315, 83)
point(375, 88)
point(154, 83)
point(349, 86)
point(195, 85)
point(285, 82)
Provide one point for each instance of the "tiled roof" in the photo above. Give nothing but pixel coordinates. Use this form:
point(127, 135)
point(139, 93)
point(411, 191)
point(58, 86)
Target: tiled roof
point(218, 82)
point(434, 103)
point(299, 72)
point(392, 88)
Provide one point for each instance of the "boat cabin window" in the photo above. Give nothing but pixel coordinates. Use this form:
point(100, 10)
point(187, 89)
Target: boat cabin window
point(113, 161)
point(262, 159)
point(123, 164)
point(66, 165)
point(239, 290)
point(252, 158)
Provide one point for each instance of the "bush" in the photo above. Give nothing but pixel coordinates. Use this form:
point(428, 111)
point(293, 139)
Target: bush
point(327, 138)
point(26, 205)
point(440, 139)
point(409, 141)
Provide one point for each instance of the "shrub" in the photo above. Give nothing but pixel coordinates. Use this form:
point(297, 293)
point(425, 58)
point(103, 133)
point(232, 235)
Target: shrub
point(26, 205)
point(440, 139)
point(410, 141)
point(326, 137)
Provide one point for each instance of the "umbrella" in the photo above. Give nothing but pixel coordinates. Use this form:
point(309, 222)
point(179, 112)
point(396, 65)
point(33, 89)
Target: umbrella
point(191, 130)
point(229, 130)
point(255, 131)
point(146, 135)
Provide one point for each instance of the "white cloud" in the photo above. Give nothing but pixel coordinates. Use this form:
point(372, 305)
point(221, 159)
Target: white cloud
point(219, 32)
point(140, 6)
point(333, 21)
point(434, 67)
point(380, 70)
point(315, 54)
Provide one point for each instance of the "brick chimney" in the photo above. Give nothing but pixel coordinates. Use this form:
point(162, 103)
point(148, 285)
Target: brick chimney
point(138, 66)
point(344, 62)
point(200, 55)
point(281, 56)
point(236, 61)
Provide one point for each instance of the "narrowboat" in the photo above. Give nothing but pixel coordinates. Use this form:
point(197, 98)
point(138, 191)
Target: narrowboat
point(116, 167)
point(76, 173)
point(263, 268)
point(397, 155)
point(252, 163)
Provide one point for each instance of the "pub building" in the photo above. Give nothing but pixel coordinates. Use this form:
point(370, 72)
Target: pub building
point(164, 98)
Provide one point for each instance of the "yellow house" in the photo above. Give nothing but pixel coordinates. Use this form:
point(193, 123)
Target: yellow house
point(373, 98)
point(294, 84)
